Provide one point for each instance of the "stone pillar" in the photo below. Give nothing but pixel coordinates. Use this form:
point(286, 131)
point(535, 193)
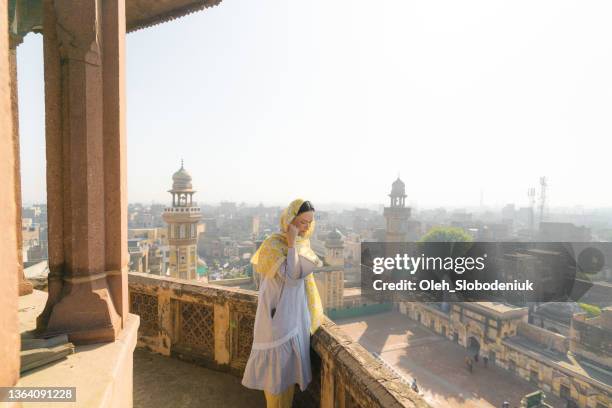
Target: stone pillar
point(115, 153)
point(25, 287)
point(327, 383)
point(86, 169)
point(9, 334)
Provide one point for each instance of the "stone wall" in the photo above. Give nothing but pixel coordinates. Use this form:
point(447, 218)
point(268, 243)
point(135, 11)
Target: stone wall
point(460, 324)
point(206, 324)
point(555, 378)
point(9, 335)
point(233, 281)
point(502, 344)
point(592, 338)
point(213, 326)
point(554, 341)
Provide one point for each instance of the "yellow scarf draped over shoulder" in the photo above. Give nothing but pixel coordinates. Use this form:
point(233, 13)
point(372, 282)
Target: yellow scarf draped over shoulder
point(273, 252)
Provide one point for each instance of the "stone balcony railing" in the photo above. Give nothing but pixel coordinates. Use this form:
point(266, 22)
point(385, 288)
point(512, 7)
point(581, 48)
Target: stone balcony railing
point(213, 326)
point(182, 209)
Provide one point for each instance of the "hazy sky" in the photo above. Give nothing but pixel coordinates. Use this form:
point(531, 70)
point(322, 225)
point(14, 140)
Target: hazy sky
point(329, 100)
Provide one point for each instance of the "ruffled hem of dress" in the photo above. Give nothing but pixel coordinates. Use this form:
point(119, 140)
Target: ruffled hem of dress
point(274, 369)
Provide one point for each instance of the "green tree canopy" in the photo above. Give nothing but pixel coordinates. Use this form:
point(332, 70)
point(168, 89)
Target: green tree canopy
point(446, 234)
point(592, 310)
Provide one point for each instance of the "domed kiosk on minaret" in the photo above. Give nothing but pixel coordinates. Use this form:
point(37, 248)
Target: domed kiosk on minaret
point(182, 219)
point(398, 193)
point(397, 214)
point(334, 239)
point(182, 190)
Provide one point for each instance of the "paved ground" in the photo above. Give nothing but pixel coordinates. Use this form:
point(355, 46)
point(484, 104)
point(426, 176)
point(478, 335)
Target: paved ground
point(167, 382)
point(437, 363)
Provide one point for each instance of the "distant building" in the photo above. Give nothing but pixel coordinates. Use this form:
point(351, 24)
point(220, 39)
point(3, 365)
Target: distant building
point(149, 234)
point(397, 214)
point(508, 212)
point(548, 269)
point(555, 317)
point(354, 299)
point(591, 338)
point(139, 255)
point(330, 278)
point(563, 232)
point(492, 232)
point(159, 258)
point(182, 219)
point(574, 367)
point(352, 259)
point(155, 240)
point(227, 207)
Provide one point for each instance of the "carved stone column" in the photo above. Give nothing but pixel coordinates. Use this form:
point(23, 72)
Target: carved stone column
point(9, 335)
point(25, 287)
point(86, 169)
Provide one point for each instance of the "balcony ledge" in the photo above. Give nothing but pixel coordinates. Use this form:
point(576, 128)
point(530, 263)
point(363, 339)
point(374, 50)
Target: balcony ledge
point(102, 373)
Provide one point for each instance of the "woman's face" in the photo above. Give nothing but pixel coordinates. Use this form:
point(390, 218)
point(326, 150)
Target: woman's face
point(303, 221)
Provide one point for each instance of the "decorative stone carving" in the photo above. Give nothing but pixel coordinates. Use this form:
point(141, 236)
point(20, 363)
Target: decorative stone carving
point(146, 307)
point(197, 327)
point(79, 34)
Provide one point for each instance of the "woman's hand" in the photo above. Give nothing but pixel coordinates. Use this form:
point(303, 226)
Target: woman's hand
point(292, 232)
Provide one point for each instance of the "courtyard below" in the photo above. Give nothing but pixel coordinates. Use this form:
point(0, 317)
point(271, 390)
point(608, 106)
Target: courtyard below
point(437, 363)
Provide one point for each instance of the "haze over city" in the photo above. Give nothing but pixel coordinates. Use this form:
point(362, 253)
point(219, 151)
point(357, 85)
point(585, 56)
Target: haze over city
point(266, 101)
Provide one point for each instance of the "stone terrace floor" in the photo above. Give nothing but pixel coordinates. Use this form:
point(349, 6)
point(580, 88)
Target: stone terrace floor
point(167, 382)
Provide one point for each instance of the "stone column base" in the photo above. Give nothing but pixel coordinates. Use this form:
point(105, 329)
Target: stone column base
point(85, 312)
point(102, 374)
point(25, 287)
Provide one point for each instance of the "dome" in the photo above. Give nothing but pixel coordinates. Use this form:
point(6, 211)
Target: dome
point(181, 180)
point(398, 188)
point(334, 239)
point(334, 235)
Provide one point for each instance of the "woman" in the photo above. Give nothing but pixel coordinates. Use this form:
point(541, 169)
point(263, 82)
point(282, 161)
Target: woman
point(289, 308)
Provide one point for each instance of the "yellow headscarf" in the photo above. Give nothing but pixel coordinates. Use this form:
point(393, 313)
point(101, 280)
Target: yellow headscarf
point(273, 252)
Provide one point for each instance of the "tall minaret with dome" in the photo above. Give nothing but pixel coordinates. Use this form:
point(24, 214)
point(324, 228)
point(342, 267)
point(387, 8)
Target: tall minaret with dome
point(397, 214)
point(182, 219)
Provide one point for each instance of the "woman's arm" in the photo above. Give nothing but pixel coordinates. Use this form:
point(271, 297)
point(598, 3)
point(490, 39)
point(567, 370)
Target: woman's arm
point(296, 267)
point(291, 267)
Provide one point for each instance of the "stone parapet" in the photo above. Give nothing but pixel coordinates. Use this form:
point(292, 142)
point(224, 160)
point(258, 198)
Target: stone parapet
point(213, 326)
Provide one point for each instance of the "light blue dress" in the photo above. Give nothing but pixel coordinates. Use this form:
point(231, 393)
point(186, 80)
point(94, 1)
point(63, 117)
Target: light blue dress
point(280, 355)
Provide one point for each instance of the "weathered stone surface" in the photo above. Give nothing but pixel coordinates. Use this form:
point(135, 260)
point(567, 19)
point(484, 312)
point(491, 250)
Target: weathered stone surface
point(9, 335)
point(25, 287)
point(364, 378)
point(86, 170)
point(344, 373)
point(161, 382)
point(101, 373)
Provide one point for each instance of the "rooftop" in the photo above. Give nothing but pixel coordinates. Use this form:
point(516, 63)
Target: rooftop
point(566, 362)
point(497, 309)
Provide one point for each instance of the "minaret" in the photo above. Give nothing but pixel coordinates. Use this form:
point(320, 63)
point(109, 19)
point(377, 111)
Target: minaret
point(330, 278)
point(334, 249)
point(397, 213)
point(182, 219)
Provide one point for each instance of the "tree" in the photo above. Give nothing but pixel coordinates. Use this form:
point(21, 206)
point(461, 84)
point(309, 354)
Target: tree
point(446, 234)
point(458, 242)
